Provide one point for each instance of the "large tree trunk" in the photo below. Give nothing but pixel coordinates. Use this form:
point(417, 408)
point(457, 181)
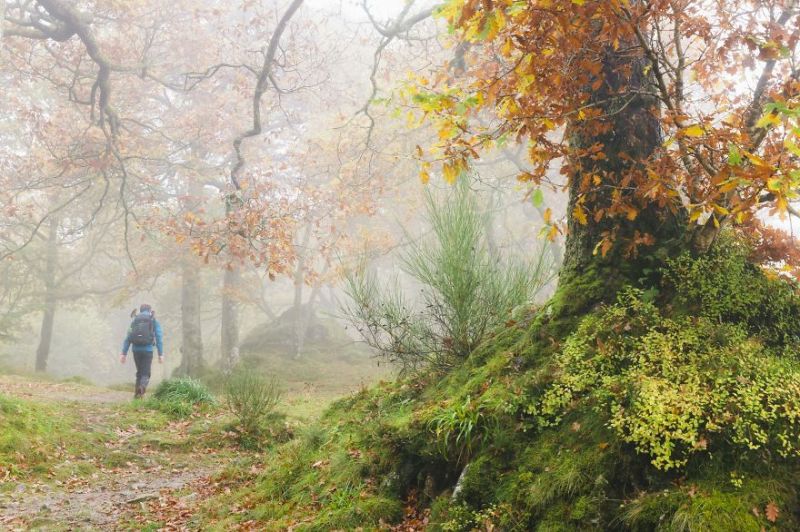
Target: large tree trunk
point(229, 344)
point(48, 318)
point(191, 328)
point(632, 136)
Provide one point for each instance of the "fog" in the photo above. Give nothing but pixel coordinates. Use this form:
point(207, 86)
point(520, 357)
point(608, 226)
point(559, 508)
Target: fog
point(137, 173)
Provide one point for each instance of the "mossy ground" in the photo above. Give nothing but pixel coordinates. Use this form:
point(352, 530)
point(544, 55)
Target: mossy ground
point(409, 442)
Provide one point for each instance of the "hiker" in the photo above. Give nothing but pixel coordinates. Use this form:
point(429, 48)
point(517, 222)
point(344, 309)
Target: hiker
point(143, 334)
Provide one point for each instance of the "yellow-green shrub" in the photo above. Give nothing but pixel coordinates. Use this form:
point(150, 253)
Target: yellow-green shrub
point(673, 387)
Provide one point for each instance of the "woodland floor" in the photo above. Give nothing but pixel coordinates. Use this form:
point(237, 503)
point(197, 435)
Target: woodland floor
point(126, 477)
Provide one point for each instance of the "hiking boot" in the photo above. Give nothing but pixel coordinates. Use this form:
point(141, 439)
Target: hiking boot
point(139, 392)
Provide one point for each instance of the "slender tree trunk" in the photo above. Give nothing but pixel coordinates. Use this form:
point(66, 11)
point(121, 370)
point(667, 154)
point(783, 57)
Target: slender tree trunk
point(191, 325)
point(229, 326)
point(304, 320)
point(301, 315)
point(191, 302)
point(48, 318)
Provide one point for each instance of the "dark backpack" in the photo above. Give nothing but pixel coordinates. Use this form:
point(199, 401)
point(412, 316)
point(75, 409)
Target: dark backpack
point(143, 330)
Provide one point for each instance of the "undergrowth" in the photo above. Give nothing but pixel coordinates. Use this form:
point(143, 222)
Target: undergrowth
point(179, 397)
point(252, 399)
point(674, 406)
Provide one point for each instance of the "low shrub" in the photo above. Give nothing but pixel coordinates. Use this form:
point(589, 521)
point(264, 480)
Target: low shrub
point(467, 290)
point(676, 387)
point(723, 285)
point(178, 397)
point(252, 398)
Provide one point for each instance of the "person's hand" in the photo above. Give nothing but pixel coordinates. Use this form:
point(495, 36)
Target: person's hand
point(160, 359)
point(122, 358)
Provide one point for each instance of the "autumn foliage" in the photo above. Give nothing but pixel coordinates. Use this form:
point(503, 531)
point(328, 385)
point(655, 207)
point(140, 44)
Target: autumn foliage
point(718, 79)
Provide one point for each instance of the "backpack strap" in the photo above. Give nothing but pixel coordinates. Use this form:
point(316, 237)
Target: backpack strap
point(153, 326)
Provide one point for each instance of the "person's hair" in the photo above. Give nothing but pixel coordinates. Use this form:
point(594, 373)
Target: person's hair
point(145, 307)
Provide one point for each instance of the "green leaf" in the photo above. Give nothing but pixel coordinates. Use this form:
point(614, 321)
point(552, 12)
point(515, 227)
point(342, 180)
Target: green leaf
point(734, 156)
point(519, 6)
point(537, 198)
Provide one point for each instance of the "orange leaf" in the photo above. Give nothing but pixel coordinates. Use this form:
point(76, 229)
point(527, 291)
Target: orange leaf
point(771, 511)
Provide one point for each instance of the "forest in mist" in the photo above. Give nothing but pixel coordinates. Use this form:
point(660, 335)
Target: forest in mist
point(445, 265)
point(139, 173)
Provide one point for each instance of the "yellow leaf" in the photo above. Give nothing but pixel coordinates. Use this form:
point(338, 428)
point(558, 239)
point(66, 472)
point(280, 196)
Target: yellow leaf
point(507, 48)
point(769, 119)
point(694, 131)
point(579, 214)
point(548, 215)
point(410, 120)
point(450, 173)
point(756, 160)
point(721, 210)
point(425, 177)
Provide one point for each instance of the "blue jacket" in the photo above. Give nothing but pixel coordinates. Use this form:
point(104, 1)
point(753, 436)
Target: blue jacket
point(145, 348)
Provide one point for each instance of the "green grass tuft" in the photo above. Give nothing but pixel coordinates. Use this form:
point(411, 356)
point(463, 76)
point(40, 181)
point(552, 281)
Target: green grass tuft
point(179, 397)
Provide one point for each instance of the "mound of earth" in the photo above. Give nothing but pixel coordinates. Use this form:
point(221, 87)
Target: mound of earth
point(330, 360)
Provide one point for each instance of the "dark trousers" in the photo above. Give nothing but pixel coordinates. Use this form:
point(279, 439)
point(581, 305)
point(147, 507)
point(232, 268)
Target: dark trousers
point(144, 361)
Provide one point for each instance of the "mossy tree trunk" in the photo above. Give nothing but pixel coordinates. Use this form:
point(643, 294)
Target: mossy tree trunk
point(630, 133)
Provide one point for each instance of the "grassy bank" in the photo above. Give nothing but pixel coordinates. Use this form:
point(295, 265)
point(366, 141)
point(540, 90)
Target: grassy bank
point(672, 407)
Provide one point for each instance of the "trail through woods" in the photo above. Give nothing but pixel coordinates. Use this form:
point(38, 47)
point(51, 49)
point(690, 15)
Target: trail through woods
point(125, 478)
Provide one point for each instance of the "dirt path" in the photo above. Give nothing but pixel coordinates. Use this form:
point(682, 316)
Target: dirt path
point(123, 478)
point(58, 391)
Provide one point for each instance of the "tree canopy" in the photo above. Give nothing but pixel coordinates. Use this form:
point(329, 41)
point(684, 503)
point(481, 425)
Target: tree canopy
point(718, 81)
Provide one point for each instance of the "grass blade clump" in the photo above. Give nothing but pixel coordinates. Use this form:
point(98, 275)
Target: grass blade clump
point(252, 398)
point(179, 396)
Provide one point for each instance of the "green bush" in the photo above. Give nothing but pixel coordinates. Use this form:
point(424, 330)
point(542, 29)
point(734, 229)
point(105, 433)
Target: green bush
point(467, 290)
point(723, 285)
point(252, 398)
point(178, 397)
point(676, 387)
